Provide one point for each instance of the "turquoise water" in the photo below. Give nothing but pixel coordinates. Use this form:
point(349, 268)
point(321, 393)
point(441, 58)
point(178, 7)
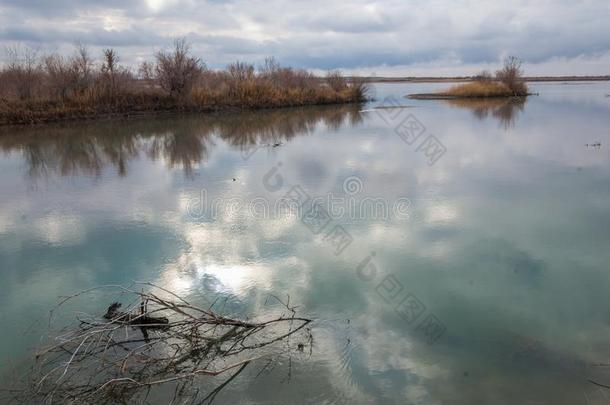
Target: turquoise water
point(467, 260)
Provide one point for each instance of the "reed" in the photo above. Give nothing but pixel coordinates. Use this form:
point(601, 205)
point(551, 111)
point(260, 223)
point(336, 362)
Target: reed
point(508, 83)
point(55, 87)
point(479, 89)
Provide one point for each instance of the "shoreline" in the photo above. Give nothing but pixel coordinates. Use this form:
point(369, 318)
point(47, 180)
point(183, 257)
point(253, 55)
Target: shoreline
point(38, 114)
point(441, 96)
point(464, 79)
point(32, 117)
point(161, 113)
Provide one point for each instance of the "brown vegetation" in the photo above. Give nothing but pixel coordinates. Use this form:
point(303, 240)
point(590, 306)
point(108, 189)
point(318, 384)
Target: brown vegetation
point(176, 71)
point(479, 89)
point(35, 89)
point(511, 75)
point(508, 82)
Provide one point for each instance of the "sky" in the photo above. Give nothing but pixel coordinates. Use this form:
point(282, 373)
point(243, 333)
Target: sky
point(384, 38)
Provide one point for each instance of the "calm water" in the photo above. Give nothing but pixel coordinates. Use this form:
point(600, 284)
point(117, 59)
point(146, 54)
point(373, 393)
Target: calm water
point(473, 268)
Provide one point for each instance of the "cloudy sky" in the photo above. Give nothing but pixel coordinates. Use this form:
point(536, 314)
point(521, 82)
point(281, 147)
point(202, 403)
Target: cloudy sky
point(408, 37)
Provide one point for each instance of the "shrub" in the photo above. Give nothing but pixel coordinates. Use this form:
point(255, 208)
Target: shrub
point(511, 75)
point(146, 71)
point(57, 87)
point(82, 65)
point(359, 89)
point(110, 72)
point(336, 81)
point(22, 76)
point(270, 69)
point(114, 79)
point(61, 76)
point(240, 71)
point(177, 71)
point(483, 76)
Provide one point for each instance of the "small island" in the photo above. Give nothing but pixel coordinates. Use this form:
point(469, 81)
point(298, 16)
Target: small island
point(508, 82)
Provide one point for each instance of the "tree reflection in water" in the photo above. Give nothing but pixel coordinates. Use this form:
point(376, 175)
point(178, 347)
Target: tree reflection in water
point(183, 142)
point(505, 110)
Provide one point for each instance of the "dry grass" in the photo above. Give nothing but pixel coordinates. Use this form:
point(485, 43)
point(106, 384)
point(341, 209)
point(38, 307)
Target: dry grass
point(479, 89)
point(56, 88)
point(507, 83)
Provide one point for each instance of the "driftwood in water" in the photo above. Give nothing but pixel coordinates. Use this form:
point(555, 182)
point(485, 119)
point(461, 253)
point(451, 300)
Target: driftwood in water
point(140, 319)
point(100, 360)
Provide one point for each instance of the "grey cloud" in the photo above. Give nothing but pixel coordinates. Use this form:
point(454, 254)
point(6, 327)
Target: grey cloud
point(97, 37)
point(66, 8)
point(320, 34)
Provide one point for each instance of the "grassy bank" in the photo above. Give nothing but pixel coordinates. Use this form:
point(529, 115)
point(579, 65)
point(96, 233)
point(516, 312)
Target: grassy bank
point(254, 96)
point(57, 88)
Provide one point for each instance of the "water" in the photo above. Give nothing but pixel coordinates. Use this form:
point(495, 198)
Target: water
point(476, 269)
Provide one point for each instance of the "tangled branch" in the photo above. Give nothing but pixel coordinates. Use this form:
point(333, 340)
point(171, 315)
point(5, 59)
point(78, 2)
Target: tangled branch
point(158, 341)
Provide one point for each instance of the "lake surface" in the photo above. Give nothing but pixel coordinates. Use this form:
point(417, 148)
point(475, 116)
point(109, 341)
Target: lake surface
point(458, 252)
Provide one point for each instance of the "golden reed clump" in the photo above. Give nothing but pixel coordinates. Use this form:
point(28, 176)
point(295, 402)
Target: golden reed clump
point(479, 89)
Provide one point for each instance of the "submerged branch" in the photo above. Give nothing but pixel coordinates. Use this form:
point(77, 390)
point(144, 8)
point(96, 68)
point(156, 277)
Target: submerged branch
point(176, 346)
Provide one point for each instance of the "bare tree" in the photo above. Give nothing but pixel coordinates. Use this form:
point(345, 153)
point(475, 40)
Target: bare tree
point(270, 68)
point(114, 77)
point(83, 63)
point(109, 71)
point(177, 71)
point(23, 71)
point(61, 76)
point(146, 71)
point(111, 60)
point(511, 75)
